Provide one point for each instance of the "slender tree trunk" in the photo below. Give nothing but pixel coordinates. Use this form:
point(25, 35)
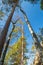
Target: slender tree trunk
point(37, 43)
point(22, 47)
point(6, 47)
point(5, 29)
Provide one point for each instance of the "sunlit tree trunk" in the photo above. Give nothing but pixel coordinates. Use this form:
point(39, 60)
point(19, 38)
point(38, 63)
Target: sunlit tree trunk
point(5, 29)
point(37, 43)
point(34, 36)
point(22, 54)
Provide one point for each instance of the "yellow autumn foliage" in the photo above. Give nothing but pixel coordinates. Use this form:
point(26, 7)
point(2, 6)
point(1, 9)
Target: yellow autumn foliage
point(14, 48)
point(33, 48)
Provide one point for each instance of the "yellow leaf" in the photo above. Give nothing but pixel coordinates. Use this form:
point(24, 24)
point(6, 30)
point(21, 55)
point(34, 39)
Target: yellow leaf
point(33, 48)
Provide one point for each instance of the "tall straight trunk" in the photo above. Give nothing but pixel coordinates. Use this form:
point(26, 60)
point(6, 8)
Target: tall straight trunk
point(22, 47)
point(34, 36)
point(5, 29)
point(6, 47)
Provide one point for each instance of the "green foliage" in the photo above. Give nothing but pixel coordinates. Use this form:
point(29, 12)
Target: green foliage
point(9, 1)
point(41, 4)
point(33, 48)
point(32, 2)
point(1, 14)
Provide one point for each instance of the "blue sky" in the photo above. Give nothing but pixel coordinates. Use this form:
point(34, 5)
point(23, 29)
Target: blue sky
point(35, 16)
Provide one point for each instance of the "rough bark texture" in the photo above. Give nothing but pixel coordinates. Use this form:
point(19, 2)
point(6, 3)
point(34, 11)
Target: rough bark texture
point(5, 30)
point(6, 47)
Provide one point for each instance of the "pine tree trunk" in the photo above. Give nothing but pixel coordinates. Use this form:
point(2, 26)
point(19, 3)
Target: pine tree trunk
point(6, 47)
point(34, 36)
point(5, 30)
point(22, 48)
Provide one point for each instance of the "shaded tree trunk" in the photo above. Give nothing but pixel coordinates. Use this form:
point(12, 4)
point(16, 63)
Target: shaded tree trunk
point(5, 30)
point(7, 44)
point(6, 47)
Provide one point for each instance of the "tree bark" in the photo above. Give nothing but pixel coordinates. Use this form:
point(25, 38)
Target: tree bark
point(5, 29)
point(22, 53)
point(34, 36)
point(6, 47)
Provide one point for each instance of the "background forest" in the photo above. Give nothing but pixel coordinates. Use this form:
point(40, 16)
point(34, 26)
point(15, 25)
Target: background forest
point(21, 32)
